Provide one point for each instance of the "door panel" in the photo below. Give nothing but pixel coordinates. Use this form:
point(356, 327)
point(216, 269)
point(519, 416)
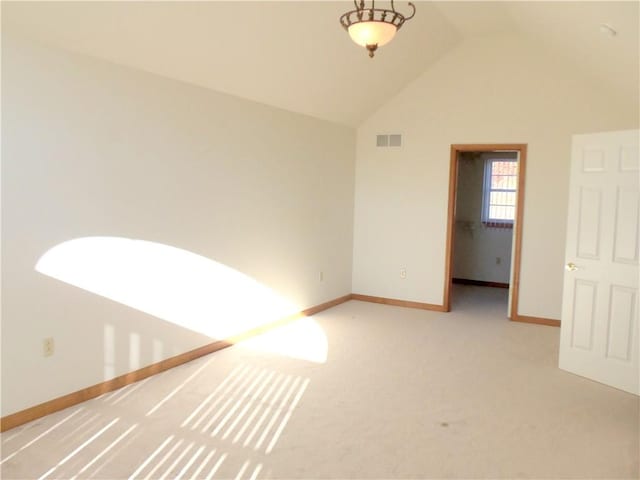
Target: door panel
point(629, 159)
point(620, 322)
point(589, 223)
point(600, 330)
point(584, 303)
point(625, 249)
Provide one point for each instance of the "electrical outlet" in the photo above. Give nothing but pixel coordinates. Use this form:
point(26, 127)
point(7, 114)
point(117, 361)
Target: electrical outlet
point(403, 273)
point(48, 347)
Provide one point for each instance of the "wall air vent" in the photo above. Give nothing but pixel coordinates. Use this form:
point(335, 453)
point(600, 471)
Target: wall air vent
point(391, 140)
point(382, 141)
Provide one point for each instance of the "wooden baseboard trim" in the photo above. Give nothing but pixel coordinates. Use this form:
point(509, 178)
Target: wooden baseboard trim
point(398, 303)
point(538, 321)
point(327, 305)
point(19, 418)
point(479, 283)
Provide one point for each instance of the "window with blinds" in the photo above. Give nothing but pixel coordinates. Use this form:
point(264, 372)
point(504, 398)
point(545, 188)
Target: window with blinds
point(499, 194)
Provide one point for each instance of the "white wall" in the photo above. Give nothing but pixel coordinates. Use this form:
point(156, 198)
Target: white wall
point(500, 89)
point(94, 149)
point(476, 247)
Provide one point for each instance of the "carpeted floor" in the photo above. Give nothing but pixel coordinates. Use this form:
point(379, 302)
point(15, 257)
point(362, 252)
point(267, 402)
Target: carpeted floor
point(403, 394)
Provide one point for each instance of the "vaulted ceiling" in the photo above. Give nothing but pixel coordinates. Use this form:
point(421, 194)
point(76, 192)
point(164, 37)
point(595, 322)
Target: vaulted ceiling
point(294, 54)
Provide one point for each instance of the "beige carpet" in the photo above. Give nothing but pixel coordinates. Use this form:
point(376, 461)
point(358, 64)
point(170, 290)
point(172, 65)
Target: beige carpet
point(403, 394)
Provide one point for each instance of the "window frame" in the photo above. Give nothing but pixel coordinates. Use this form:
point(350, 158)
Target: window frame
point(487, 190)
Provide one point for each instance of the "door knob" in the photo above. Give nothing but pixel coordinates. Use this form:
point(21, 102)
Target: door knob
point(571, 267)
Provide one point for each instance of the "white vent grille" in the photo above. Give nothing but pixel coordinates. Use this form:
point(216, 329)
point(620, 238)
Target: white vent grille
point(390, 140)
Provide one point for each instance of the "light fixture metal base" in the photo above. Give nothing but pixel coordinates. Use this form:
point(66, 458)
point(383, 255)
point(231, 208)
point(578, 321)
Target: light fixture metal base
point(363, 14)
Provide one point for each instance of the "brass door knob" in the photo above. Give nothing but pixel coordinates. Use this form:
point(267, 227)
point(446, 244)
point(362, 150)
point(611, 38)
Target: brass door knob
point(571, 267)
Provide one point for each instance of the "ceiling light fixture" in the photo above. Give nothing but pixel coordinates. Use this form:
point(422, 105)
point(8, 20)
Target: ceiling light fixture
point(372, 27)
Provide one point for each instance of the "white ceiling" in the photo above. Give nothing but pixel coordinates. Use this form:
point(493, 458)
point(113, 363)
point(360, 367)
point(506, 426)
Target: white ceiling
point(294, 54)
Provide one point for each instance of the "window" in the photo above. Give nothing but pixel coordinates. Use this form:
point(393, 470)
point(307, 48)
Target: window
point(499, 196)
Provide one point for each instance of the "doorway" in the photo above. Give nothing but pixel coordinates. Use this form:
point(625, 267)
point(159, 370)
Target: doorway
point(493, 215)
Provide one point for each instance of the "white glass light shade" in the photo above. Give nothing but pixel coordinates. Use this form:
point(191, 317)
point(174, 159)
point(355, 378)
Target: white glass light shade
point(372, 33)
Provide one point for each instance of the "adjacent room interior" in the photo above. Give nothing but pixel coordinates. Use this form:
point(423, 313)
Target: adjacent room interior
point(484, 217)
point(251, 248)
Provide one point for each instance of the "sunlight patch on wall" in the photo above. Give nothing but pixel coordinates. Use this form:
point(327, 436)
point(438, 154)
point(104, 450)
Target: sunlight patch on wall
point(301, 339)
point(109, 350)
point(183, 288)
point(167, 282)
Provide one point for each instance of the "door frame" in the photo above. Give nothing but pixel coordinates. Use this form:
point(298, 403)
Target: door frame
point(514, 284)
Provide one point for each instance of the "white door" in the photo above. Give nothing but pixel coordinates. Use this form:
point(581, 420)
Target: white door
point(600, 327)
